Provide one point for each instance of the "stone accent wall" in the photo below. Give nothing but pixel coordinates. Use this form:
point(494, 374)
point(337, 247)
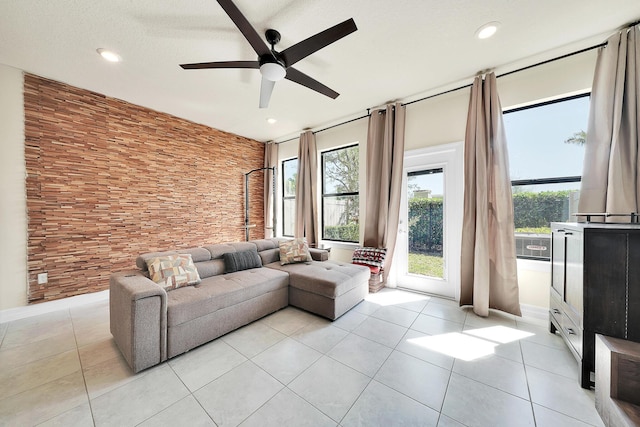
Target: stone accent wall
point(107, 180)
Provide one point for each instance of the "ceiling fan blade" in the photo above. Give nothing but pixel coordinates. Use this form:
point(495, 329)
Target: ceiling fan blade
point(249, 33)
point(304, 80)
point(223, 64)
point(266, 88)
point(313, 44)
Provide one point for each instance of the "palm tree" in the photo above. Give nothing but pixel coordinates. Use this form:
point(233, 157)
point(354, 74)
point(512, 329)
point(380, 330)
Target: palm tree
point(577, 138)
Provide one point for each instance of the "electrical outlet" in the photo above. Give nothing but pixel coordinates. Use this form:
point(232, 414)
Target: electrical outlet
point(42, 278)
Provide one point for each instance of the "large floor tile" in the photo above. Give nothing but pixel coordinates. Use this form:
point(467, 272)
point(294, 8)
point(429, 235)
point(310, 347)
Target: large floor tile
point(286, 359)
point(87, 333)
point(25, 377)
point(411, 344)
point(3, 331)
point(80, 416)
point(98, 352)
point(562, 394)
point(475, 404)
point(380, 405)
point(27, 353)
point(493, 319)
point(48, 321)
point(547, 418)
point(435, 326)
point(44, 402)
point(366, 307)
point(397, 315)
point(350, 320)
point(33, 331)
point(286, 409)
point(186, 412)
point(199, 367)
point(380, 331)
point(97, 312)
point(399, 298)
point(415, 378)
point(540, 335)
point(140, 399)
point(557, 360)
point(230, 399)
point(321, 336)
point(445, 421)
point(330, 386)
point(361, 354)
point(253, 339)
point(289, 320)
point(108, 375)
point(503, 374)
point(446, 312)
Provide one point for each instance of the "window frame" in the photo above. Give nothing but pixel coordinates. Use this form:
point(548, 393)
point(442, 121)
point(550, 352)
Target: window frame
point(550, 180)
point(323, 194)
point(284, 194)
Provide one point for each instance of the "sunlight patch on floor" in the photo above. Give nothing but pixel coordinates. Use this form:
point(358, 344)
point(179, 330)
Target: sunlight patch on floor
point(456, 345)
point(472, 344)
point(501, 334)
point(395, 297)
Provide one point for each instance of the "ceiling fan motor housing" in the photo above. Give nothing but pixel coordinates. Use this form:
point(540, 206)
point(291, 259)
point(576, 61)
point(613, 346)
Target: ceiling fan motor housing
point(272, 36)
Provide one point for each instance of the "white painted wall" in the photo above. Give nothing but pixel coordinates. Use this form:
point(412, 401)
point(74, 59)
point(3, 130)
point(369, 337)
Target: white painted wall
point(442, 120)
point(13, 204)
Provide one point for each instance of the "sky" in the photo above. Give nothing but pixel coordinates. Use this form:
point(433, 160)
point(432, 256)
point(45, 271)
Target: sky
point(536, 145)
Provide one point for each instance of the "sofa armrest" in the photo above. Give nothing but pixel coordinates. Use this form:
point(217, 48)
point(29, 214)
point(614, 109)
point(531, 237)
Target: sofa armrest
point(319, 254)
point(138, 318)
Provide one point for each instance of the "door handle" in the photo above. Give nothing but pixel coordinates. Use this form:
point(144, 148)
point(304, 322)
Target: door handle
point(571, 331)
point(556, 311)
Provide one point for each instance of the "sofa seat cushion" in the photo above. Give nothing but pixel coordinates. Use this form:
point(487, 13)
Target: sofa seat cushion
point(328, 278)
point(217, 292)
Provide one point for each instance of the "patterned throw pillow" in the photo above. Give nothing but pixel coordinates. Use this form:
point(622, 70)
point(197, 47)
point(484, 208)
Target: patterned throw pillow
point(371, 257)
point(173, 271)
point(292, 251)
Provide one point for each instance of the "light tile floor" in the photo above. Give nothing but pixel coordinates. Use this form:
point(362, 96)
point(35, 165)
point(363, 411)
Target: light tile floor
point(397, 358)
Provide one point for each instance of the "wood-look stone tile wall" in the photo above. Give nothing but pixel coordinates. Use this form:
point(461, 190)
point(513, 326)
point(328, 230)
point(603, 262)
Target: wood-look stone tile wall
point(108, 180)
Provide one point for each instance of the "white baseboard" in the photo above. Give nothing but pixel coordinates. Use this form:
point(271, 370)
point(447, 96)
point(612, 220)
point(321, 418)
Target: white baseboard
point(17, 313)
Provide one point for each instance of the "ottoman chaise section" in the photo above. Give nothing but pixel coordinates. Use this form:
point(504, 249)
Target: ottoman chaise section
point(326, 288)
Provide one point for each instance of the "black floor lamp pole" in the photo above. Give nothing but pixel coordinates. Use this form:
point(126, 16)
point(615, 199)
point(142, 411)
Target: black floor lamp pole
point(246, 200)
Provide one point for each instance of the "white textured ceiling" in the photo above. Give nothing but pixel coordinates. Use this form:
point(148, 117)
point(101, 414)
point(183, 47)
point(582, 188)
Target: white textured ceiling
point(403, 49)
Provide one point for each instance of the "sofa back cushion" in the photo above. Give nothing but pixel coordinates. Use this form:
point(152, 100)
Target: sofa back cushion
point(197, 255)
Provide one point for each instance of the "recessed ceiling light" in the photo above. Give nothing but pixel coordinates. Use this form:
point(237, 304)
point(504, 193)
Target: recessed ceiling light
point(487, 30)
point(109, 55)
point(271, 120)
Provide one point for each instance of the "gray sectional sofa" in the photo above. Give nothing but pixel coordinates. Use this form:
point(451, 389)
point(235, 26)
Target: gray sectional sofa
point(151, 325)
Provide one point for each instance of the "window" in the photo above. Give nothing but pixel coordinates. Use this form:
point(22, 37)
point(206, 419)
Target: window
point(546, 151)
point(340, 194)
point(289, 180)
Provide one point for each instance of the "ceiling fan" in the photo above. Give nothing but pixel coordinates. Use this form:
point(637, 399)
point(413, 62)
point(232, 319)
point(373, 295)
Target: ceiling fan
point(273, 65)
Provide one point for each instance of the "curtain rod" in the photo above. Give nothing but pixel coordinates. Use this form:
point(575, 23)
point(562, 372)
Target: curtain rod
point(470, 84)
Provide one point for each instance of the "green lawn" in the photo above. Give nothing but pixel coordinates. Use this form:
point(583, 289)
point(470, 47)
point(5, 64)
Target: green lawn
point(427, 265)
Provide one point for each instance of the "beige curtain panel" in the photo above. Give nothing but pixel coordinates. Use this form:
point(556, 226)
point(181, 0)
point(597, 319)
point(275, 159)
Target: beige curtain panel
point(270, 161)
point(306, 223)
point(488, 261)
point(610, 178)
point(385, 156)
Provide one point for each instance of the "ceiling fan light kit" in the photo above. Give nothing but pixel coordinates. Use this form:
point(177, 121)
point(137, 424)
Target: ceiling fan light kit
point(273, 71)
point(275, 66)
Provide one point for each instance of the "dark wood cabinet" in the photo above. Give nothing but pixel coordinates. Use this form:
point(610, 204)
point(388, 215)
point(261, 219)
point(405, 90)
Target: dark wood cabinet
point(595, 286)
